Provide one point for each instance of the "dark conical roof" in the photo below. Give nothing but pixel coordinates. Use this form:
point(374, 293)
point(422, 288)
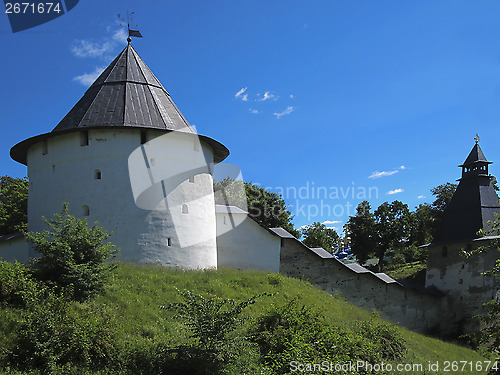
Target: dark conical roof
point(473, 204)
point(126, 94)
point(476, 155)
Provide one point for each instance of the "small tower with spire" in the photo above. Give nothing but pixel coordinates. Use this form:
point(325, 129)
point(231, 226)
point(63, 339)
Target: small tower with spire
point(472, 206)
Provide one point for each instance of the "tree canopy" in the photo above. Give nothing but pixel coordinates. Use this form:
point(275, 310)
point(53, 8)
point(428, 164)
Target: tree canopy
point(361, 229)
point(262, 205)
point(318, 235)
point(13, 204)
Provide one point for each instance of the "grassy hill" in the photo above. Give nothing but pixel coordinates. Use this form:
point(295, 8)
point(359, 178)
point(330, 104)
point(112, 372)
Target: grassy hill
point(131, 307)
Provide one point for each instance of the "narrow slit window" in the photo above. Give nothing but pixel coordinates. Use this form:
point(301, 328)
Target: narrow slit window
point(169, 241)
point(191, 178)
point(98, 174)
point(84, 138)
point(144, 136)
point(45, 150)
point(185, 209)
point(225, 221)
point(53, 168)
point(85, 210)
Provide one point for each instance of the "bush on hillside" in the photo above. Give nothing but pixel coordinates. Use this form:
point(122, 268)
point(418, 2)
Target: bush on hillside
point(73, 254)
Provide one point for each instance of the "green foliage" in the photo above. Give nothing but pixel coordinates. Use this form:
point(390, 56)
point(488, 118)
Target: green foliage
point(52, 334)
point(13, 204)
point(15, 280)
point(73, 254)
point(423, 225)
point(392, 224)
point(318, 235)
point(295, 333)
point(211, 320)
point(361, 229)
point(264, 206)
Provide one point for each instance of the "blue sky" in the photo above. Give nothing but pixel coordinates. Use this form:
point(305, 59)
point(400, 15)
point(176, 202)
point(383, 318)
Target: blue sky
point(322, 96)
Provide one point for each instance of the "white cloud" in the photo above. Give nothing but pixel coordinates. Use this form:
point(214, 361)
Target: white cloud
point(85, 48)
point(292, 96)
point(287, 111)
point(267, 96)
point(421, 197)
point(241, 92)
point(327, 222)
point(395, 191)
point(378, 174)
point(245, 98)
point(87, 79)
point(334, 228)
point(120, 36)
point(254, 111)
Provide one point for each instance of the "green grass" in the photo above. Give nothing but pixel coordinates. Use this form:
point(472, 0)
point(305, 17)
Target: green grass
point(135, 294)
point(405, 271)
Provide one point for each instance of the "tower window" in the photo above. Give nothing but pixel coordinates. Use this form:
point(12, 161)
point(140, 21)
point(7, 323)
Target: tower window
point(84, 138)
point(97, 174)
point(185, 209)
point(169, 241)
point(53, 168)
point(85, 210)
point(191, 178)
point(225, 221)
point(444, 251)
point(144, 136)
point(44, 148)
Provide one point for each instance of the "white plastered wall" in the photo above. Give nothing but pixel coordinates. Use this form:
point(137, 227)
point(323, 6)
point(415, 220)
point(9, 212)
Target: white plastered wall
point(247, 246)
point(68, 172)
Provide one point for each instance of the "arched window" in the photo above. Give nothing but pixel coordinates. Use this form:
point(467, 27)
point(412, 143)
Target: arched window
point(85, 210)
point(185, 209)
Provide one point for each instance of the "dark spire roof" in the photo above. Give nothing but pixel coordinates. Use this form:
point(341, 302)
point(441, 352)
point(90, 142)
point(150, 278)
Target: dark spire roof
point(126, 94)
point(475, 156)
point(474, 203)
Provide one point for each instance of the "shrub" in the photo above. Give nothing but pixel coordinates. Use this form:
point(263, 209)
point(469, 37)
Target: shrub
point(216, 347)
point(73, 254)
point(53, 334)
point(15, 279)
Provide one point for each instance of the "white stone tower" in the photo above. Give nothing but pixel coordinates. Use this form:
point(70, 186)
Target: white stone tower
point(126, 157)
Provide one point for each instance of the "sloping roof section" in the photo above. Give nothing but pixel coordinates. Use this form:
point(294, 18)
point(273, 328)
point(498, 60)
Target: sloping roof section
point(476, 155)
point(127, 93)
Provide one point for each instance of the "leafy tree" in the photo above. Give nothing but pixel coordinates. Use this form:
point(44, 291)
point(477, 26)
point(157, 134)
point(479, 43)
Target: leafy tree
point(392, 223)
point(74, 255)
point(443, 194)
point(266, 207)
point(422, 225)
point(361, 229)
point(318, 235)
point(13, 204)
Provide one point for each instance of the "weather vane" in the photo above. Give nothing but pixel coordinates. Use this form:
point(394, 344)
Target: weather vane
point(134, 33)
point(476, 138)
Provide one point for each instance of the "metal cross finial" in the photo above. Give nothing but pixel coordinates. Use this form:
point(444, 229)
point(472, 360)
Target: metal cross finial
point(476, 138)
